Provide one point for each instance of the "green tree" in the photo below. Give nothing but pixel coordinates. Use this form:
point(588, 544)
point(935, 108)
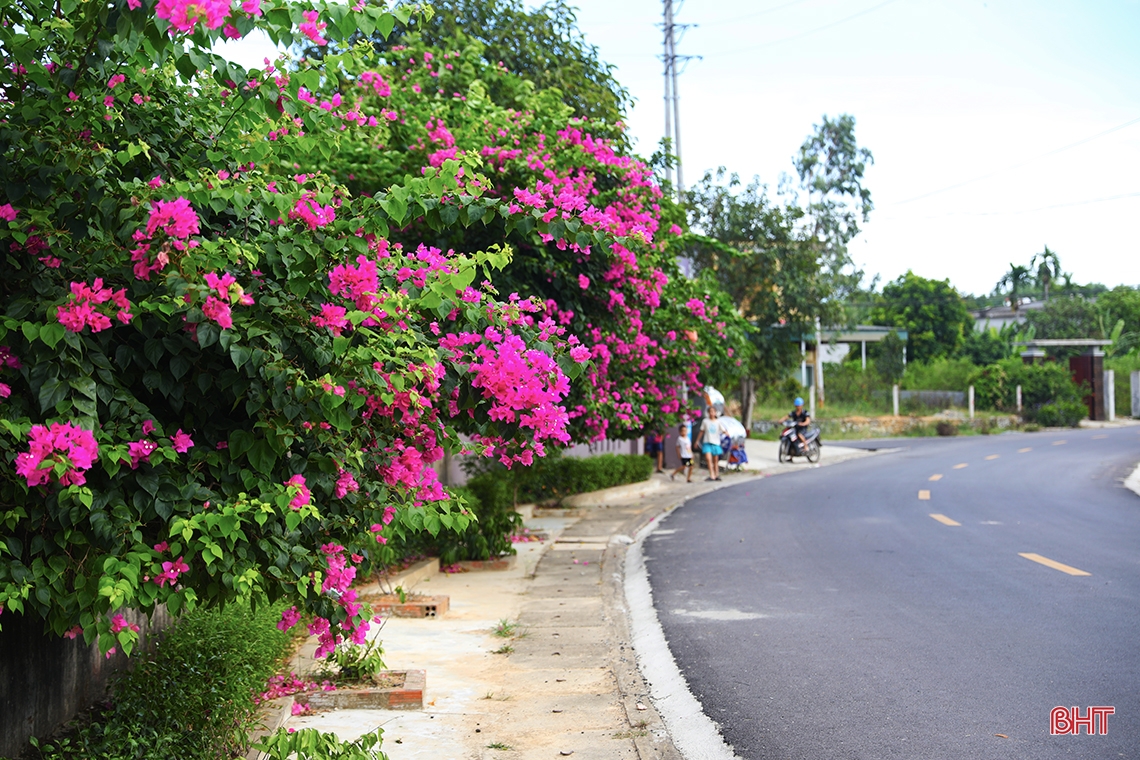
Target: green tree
point(1122, 304)
point(760, 259)
point(1048, 268)
point(543, 45)
point(984, 347)
point(1069, 317)
point(931, 311)
point(1018, 280)
point(888, 355)
point(831, 166)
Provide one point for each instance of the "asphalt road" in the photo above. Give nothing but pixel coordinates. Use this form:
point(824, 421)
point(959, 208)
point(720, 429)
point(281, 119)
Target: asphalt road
point(826, 614)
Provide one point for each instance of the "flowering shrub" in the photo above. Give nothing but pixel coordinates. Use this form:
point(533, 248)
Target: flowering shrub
point(223, 379)
point(596, 239)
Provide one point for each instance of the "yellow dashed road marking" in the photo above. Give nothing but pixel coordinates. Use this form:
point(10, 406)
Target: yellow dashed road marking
point(1059, 443)
point(936, 477)
point(992, 456)
point(924, 495)
point(1097, 437)
point(945, 520)
point(1051, 563)
point(960, 466)
point(1025, 450)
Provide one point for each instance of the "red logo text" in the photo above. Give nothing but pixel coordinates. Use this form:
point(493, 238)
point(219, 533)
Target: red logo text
point(1068, 720)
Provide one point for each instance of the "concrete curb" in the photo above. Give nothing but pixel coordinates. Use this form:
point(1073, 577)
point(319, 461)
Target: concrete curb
point(1132, 482)
point(615, 495)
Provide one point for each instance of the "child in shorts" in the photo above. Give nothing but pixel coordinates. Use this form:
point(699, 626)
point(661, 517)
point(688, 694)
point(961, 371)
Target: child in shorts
point(685, 453)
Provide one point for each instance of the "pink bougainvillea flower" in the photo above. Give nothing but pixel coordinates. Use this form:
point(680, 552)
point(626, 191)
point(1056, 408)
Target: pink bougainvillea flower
point(219, 312)
point(134, 5)
point(156, 182)
point(80, 311)
point(140, 452)
point(176, 218)
point(161, 547)
point(147, 427)
point(252, 7)
point(182, 442)
point(302, 496)
point(184, 15)
point(289, 619)
point(63, 443)
point(72, 96)
point(312, 213)
point(580, 354)
point(345, 484)
point(7, 213)
point(171, 571)
point(116, 80)
point(119, 623)
point(71, 633)
point(312, 29)
point(583, 281)
point(231, 32)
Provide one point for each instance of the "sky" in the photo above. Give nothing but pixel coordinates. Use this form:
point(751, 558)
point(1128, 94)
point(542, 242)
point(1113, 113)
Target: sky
point(997, 127)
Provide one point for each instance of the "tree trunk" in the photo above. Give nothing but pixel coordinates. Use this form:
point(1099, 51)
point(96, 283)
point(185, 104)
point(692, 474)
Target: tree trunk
point(747, 402)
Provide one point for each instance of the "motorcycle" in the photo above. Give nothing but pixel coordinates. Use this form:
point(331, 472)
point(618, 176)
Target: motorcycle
point(790, 446)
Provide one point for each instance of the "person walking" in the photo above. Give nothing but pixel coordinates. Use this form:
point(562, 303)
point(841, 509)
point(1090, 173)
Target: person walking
point(655, 448)
point(684, 453)
point(709, 441)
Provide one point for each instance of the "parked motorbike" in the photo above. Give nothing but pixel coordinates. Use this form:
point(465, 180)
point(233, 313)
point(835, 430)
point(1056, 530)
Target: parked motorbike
point(791, 447)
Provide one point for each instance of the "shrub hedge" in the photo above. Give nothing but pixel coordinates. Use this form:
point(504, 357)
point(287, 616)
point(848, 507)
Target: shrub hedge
point(491, 496)
point(1046, 389)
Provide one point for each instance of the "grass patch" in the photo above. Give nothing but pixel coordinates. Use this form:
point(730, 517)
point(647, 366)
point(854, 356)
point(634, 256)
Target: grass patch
point(499, 745)
point(504, 649)
point(191, 699)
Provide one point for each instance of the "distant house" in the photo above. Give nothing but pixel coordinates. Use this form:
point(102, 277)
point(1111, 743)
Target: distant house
point(998, 317)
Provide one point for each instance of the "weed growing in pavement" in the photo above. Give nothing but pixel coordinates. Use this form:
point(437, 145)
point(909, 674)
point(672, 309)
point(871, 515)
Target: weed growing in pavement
point(499, 745)
point(631, 734)
point(505, 629)
point(504, 649)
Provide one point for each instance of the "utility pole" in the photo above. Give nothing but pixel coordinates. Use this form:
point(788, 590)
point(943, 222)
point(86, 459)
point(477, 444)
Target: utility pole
point(673, 109)
point(668, 58)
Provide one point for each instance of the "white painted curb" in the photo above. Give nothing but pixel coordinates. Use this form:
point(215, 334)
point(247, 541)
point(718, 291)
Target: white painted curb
point(1132, 482)
point(694, 734)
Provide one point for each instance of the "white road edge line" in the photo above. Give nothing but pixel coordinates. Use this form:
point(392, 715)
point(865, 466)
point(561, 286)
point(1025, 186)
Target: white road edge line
point(694, 734)
point(1132, 482)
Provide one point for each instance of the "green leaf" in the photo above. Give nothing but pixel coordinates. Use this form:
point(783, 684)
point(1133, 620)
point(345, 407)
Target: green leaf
point(52, 333)
point(262, 457)
point(241, 441)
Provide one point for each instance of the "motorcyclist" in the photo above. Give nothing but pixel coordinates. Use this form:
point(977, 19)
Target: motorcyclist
point(800, 417)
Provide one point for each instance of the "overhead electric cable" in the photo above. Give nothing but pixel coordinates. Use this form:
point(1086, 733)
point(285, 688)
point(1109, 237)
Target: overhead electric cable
point(1020, 164)
point(805, 33)
point(764, 12)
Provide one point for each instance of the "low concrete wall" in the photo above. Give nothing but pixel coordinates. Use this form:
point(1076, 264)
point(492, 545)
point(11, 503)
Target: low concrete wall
point(45, 680)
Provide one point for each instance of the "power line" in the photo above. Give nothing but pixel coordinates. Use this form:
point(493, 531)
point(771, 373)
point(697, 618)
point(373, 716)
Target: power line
point(1019, 165)
point(805, 33)
point(1024, 211)
point(764, 12)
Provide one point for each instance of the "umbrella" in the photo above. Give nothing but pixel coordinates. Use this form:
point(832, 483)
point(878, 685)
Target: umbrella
point(714, 398)
point(732, 427)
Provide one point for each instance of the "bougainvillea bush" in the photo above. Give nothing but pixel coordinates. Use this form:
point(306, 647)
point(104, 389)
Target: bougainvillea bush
point(222, 378)
point(245, 312)
point(646, 330)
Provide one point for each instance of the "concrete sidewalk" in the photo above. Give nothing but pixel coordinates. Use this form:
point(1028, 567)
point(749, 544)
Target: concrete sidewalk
point(565, 681)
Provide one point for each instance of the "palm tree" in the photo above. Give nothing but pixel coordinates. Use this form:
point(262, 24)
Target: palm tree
point(1017, 278)
point(1048, 266)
